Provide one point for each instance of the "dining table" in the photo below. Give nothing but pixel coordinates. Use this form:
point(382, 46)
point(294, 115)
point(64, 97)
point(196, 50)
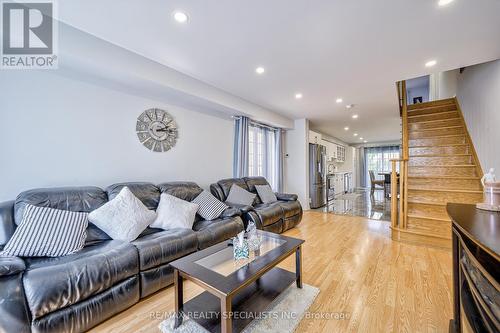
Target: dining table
point(387, 181)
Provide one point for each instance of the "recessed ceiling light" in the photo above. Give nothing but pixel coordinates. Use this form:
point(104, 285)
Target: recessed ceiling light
point(180, 17)
point(346, 128)
point(349, 106)
point(354, 116)
point(298, 95)
point(444, 2)
point(430, 63)
point(365, 141)
point(339, 100)
point(355, 134)
point(361, 138)
point(260, 70)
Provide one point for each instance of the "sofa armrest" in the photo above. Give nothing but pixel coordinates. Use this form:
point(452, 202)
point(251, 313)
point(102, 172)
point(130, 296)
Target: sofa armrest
point(231, 212)
point(11, 266)
point(286, 197)
point(14, 311)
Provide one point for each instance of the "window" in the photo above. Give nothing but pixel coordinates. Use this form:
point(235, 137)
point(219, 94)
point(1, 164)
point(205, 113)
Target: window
point(378, 159)
point(262, 156)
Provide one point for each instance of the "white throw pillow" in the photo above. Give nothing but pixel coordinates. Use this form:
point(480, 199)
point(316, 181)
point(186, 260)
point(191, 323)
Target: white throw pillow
point(124, 217)
point(173, 212)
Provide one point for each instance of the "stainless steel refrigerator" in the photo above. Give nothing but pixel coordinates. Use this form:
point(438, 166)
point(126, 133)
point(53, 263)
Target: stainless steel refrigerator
point(317, 175)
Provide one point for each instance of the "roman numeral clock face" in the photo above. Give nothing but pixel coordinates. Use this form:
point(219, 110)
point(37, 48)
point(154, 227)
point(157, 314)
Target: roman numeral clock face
point(156, 130)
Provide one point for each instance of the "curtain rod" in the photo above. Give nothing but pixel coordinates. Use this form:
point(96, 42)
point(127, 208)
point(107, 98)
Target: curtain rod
point(253, 122)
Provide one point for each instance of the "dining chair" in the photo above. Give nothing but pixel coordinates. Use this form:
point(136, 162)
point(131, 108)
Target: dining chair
point(375, 182)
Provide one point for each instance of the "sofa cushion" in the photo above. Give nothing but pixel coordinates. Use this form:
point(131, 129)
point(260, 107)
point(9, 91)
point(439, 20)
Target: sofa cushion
point(54, 283)
point(213, 232)
point(75, 199)
point(182, 190)
point(48, 232)
point(148, 193)
point(252, 182)
point(269, 213)
point(165, 246)
point(124, 217)
point(7, 224)
point(290, 208)
point(225, 185)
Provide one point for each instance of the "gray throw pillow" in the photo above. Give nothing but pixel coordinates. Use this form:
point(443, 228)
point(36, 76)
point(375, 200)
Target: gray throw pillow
point(240, 196)
point(266, 194)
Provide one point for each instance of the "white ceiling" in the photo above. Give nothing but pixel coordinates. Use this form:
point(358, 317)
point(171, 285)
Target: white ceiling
point(326, 49)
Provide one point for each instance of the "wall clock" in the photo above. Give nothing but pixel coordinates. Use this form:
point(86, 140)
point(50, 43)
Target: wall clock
point(156, 130)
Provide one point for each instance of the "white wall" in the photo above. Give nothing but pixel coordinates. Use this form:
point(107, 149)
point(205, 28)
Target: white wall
point(448, 84)
point(478, 92)
point(55, 131)
point(417, 92)
point(297, 161)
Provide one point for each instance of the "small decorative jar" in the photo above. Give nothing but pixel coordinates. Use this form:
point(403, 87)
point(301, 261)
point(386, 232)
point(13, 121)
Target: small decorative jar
point(240, 251)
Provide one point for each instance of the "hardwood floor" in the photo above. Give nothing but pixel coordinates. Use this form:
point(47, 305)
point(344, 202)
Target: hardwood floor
point(377, 284)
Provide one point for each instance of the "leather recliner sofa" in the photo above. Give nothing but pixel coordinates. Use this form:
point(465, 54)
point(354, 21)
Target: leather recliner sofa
point(76, 292)
point(275, 217)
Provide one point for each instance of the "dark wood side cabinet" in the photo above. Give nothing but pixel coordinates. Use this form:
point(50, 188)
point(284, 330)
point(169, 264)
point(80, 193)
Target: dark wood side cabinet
point(476, 269)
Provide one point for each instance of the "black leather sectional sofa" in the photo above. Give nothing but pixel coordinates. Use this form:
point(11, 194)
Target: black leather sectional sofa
point(275, 217)
point(78, 291)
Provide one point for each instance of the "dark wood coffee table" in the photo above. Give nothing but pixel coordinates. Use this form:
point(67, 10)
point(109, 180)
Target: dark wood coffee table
point(236, 291)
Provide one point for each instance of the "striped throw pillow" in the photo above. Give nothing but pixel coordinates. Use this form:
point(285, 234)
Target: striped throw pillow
point(210, 207)
point(47, 232)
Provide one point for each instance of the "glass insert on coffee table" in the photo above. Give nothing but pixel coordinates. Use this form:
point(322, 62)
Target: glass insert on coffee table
point(236, 291)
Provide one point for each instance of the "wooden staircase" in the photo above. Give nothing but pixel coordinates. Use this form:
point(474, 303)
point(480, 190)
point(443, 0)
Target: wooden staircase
point(442, 167)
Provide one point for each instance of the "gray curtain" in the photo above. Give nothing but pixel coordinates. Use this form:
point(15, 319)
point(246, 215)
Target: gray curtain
point(280, 159)
point(361, 166)
point(240, 156)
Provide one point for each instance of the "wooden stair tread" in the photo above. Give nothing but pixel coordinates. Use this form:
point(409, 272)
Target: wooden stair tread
point(432, 203)
point(443, 145)
point(439, 136)
point(434, 120)
point(426, 234)
point(440, 155)
point(434, 129)
point(434, 113)
point(443, 165)
point(444, 177)
point(434, 189)
point(429, 217)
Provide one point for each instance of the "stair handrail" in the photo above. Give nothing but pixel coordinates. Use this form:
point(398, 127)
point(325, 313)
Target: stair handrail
point(399, 216)
point(404, 120)
point(399, 208)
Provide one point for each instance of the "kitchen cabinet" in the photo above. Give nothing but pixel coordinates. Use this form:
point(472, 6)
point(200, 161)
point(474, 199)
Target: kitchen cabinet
point(340, 153)
point(331, 150)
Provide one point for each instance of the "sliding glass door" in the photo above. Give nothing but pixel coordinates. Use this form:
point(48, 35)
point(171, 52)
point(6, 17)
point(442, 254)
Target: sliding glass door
point(378, 160)
point(262, 154)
